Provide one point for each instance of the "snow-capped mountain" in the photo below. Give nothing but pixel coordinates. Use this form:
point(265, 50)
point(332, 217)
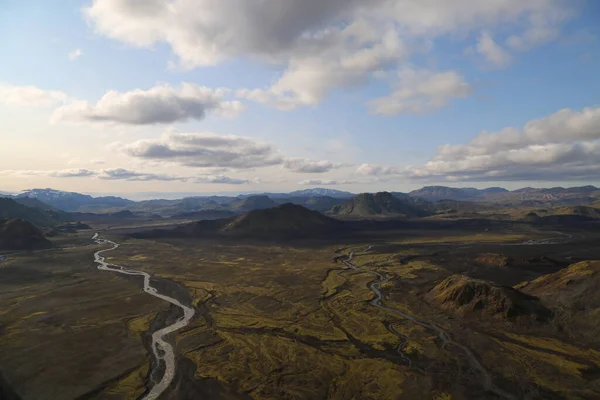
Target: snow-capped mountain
point(71, 201)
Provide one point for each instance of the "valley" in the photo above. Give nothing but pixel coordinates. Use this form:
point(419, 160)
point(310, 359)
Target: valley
point(285, 302)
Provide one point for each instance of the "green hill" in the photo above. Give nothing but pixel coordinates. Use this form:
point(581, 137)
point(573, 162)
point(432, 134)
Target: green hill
point(381, 204)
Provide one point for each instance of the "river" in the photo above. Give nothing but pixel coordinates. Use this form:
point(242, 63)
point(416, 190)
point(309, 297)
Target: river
point(163, 351)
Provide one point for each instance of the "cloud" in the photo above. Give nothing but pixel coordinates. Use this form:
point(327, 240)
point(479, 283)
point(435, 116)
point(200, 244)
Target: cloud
point(320, 45)
point(309, 78)
point(75, 54)
point(206, 150)
point(221, 179)
point(30, 96)
point(302, 165)
point(320, 182)
point(563, 126)
point(377, 170)
point(495, 55)
point(542, 28)
point(561, 146)
point(72, 173)
point(421, 91)
point(159, 105)
point(201, 33)
point(128, 175)
point(122, 174)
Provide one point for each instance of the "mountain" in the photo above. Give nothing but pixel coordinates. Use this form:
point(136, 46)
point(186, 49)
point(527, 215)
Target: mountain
point(435, 193)
point(34, 203)
point(315, 203)
point(204, 215)
point(494, 190)
point(377, 205)
point(18, 234)
point(287, 221)
point(464, 295)
point(254, 203)
point(70, 201)
point(12, 208)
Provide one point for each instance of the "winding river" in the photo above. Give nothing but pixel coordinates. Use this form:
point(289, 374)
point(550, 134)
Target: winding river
point(444, 336)
point(163, 351)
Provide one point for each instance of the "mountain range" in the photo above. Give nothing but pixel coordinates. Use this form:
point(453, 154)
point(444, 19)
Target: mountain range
point(417, 203)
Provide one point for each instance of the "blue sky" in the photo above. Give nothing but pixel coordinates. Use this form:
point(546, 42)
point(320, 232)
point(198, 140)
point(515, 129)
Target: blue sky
point(354, 95)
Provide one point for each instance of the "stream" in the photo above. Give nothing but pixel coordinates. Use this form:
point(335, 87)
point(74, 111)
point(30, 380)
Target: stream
point(444, 336)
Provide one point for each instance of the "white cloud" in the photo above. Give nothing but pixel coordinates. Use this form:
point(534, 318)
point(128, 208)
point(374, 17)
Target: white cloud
point(222, 179)
point(321, 182)
point(494, 54)
point(302, 165)
point(309, 78)
point(159, 105)
point(206, 150)
point(30, 96)
point(122, 174)
point(320, 45)
point(542, 28)
point(377, 170)
point(563, 126)
point(421, 91)
point(205, 32)
point(75, 54)
point(129, 175)
point(561, 146)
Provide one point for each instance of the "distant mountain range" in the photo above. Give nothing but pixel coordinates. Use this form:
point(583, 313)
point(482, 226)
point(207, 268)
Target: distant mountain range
point(496, 194)
point(70, 201)
point(425, 201)
point(315, 192)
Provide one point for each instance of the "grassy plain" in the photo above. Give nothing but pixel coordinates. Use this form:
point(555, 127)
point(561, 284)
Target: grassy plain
point(280, 321)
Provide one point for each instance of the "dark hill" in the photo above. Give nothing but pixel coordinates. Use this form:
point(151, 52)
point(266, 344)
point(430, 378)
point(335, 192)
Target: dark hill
point(287, 221)
point(377, 205)
point(18, 234)
point(11, 208)
point(34, 203)
point(316, 203)
point(254, 203)
point(459, 293)
point(435, 193)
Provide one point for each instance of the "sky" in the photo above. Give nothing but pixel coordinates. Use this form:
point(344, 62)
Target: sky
point(206, 96)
